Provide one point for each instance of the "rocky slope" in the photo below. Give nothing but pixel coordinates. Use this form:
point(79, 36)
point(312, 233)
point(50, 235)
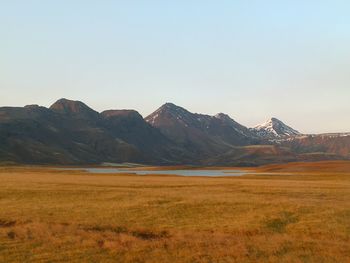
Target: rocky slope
point(200, 134)
point(70, 132)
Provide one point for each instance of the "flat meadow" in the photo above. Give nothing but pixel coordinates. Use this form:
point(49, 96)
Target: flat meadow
point(297, 212)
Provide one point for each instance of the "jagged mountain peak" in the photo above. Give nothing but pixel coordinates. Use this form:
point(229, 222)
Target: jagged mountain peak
point(170, 105)
point(173, 108)
point(269, 122)
point(202, 131)
point(72, 133)
point(225, 118)
point(73, 107)
point(67, 105)
point(222, 116)
point(274, 127)
point(167, 111)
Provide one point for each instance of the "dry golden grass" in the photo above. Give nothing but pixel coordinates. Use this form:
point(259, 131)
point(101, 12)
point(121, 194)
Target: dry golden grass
point(298, 213)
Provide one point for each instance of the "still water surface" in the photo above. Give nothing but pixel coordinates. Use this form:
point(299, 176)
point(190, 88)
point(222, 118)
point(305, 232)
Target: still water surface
point(188, 172)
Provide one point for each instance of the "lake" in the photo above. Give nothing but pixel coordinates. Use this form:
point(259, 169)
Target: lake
point(188, 172)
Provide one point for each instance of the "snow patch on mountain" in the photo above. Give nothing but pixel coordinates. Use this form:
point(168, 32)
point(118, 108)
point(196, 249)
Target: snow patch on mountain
point(274, 128)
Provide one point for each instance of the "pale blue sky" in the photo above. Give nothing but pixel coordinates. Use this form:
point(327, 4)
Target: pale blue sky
point(251, 59)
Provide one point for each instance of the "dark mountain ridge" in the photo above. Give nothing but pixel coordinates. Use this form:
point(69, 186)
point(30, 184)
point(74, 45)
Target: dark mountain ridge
point(70, 132)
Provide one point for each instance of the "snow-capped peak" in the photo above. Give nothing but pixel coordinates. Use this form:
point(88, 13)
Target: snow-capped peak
point(273, 127)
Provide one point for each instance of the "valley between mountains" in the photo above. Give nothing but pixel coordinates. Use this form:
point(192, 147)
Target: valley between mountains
point(71, 133)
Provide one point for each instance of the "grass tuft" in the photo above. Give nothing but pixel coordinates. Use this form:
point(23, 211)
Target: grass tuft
point(280, 223)
point(7, 223)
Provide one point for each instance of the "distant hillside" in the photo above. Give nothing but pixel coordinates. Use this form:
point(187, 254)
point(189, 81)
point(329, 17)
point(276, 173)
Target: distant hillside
point(70, 132)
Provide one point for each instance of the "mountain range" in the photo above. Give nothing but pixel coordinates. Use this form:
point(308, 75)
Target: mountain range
point(71, 133)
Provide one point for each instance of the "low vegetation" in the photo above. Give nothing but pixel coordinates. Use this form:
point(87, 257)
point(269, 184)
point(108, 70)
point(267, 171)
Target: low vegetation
point(291, 213)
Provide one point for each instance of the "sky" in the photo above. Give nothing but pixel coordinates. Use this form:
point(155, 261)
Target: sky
point(251, 59)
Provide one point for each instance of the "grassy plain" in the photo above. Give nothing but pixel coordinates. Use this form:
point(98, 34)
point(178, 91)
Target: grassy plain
point(292, 213)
